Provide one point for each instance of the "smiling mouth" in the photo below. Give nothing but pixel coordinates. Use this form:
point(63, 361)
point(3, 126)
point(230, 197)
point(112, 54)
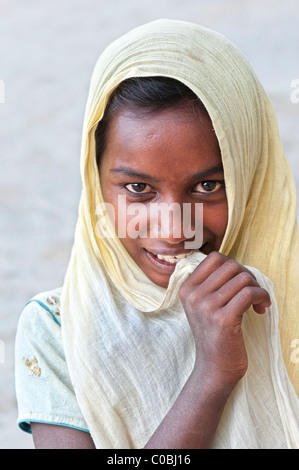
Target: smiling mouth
point(173, 259)
point(167, 261)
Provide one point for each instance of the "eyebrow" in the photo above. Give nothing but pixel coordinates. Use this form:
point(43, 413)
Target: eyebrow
point(135, 174)
point(211, 171)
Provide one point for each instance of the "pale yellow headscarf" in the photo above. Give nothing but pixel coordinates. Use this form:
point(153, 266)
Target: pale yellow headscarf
point(112, 313)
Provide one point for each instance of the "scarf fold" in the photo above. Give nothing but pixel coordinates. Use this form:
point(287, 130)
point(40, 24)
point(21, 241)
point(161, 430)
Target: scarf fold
point(128, 344)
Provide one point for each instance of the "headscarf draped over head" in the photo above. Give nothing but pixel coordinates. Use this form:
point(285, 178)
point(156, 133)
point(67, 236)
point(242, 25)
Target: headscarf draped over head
point(110, 309)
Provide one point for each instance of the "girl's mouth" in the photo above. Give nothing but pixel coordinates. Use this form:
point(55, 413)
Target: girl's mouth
point(166, 262)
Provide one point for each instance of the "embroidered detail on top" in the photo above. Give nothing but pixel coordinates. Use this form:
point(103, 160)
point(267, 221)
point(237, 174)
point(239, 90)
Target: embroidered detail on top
point(32, 366)
point(52, 300)
point(46, 308)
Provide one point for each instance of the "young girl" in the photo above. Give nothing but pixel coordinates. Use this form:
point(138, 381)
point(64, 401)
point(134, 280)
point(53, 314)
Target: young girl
point(169, 334)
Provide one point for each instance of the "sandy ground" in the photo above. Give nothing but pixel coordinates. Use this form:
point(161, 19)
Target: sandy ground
point(48, 50)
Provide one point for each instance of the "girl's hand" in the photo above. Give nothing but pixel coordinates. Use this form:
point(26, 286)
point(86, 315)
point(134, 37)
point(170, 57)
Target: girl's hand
point(215, 297)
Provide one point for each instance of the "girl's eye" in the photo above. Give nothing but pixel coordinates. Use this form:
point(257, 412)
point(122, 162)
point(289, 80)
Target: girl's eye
point(138, 188)
point(209, 186)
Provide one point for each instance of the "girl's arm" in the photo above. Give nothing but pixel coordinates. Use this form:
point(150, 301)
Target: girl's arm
point(215, 297)
point(51, 436)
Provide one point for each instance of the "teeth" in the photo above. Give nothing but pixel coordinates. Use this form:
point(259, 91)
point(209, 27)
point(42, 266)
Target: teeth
point(174, 259)
point(170, 259)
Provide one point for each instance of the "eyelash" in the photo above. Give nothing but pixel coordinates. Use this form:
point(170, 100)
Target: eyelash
point(136, 194)
point(220, 182)
point(141, 194)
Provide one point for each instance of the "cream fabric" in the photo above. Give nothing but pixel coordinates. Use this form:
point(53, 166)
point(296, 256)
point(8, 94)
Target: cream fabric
point(44, 393)
point(128, 344)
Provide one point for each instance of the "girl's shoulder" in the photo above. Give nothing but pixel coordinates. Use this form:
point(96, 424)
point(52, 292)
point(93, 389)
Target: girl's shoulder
point(39, 330)
point(44, 304)
point(44, 389)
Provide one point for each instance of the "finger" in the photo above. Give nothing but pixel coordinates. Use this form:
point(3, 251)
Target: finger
point(228, 290)
point(249, 296)
point(261, 308)
point(216, 272)
point(207, 267)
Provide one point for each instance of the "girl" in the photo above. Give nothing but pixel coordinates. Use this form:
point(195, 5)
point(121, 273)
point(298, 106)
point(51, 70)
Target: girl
point(167, 334)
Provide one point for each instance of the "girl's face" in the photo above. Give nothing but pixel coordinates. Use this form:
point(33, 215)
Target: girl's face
point(169, 159)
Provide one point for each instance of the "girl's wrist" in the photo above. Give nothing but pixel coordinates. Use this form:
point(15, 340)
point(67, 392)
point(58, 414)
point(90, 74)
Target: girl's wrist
point(211, 383)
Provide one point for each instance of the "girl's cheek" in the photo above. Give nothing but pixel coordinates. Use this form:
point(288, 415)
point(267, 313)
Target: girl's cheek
point(132, 222)
point(215, 221)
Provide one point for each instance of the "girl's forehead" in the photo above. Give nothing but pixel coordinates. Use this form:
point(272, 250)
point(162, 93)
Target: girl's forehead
point(173, 142)
point(133, 127)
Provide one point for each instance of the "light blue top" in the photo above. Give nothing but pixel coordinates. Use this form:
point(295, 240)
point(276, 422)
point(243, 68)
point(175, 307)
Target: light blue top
point(43, 386)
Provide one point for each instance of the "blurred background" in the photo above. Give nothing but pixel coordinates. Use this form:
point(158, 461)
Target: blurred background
point(47, 54)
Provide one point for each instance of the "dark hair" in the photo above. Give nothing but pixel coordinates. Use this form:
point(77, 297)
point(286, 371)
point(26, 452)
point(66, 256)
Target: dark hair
point(145, 95)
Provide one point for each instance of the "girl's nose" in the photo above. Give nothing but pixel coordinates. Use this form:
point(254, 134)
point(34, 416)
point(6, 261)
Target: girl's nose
point(174, 222)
